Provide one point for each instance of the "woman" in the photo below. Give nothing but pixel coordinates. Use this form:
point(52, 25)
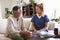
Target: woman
point(39, 22)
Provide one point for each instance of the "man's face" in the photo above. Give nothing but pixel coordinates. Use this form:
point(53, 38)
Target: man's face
point(17, 13)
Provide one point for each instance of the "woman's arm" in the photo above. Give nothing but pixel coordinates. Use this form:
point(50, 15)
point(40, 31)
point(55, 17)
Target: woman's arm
point(46, 19)
point(33, 27)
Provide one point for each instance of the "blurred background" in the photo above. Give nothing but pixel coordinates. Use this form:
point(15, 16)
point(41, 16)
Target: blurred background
point(51, 7)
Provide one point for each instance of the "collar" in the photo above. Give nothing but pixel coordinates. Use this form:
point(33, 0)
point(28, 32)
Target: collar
point(39, 16)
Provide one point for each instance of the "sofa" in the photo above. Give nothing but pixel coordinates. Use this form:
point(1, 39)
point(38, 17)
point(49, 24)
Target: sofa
point(3, 24)
point(27, 24)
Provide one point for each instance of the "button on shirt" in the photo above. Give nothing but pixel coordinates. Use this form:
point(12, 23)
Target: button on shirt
point(15, 24)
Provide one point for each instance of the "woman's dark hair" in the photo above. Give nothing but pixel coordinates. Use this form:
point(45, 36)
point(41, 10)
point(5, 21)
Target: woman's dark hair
point(15, 8)
point(40, 6)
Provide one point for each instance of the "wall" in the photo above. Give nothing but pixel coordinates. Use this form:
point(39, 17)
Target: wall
point(52, 8)
point(7, 4)
point(36, 1)
point(0, 11)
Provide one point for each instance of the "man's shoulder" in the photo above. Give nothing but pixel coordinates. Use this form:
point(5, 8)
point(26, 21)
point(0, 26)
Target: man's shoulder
point(10, 18)
point(20, 17)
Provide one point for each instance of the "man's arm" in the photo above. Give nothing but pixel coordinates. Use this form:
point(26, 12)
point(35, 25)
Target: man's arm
point(8, 28)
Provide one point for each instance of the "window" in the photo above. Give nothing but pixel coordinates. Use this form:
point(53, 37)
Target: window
point(28, 11)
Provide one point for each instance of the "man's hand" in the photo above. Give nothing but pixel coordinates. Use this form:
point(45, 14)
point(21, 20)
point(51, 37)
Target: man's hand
point(26, 33)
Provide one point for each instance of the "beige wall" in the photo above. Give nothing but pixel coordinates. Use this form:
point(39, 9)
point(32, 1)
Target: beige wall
point(7, 4)
point(0, 11)
point(36, 1)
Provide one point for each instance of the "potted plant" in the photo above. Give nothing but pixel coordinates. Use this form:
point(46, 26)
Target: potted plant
point(8, 13)
point(56, 20)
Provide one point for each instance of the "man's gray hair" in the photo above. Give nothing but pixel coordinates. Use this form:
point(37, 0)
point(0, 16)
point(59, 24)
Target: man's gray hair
point(15, 8)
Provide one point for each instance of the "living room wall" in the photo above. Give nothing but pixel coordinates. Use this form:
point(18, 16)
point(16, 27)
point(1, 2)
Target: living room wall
point(0, 11)
point(6, 4)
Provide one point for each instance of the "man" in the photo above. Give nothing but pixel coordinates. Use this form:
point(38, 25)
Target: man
point(15, 25)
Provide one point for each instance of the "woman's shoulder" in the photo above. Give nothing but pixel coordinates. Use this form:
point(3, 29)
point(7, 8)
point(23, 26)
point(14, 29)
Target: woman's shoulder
point(34, 15)
point(45, 15)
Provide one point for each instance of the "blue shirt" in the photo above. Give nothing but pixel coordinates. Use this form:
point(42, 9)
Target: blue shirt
point(39, 23)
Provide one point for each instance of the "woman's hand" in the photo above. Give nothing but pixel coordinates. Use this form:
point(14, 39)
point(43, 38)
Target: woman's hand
point(36, 31)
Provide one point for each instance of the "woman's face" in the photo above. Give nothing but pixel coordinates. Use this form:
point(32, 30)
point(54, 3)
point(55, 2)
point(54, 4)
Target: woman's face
point(17, 14)
point(38, 10)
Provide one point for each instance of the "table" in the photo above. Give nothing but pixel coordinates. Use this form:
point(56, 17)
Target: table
point(45, 38)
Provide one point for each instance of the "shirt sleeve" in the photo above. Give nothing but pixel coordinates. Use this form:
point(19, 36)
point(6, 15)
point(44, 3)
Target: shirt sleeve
point(33, 19)
point(8, 27)
point(46, 18)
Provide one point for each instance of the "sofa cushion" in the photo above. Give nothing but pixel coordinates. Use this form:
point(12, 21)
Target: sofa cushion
point(3, 25)
point(52, 25)
point(26, 22)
